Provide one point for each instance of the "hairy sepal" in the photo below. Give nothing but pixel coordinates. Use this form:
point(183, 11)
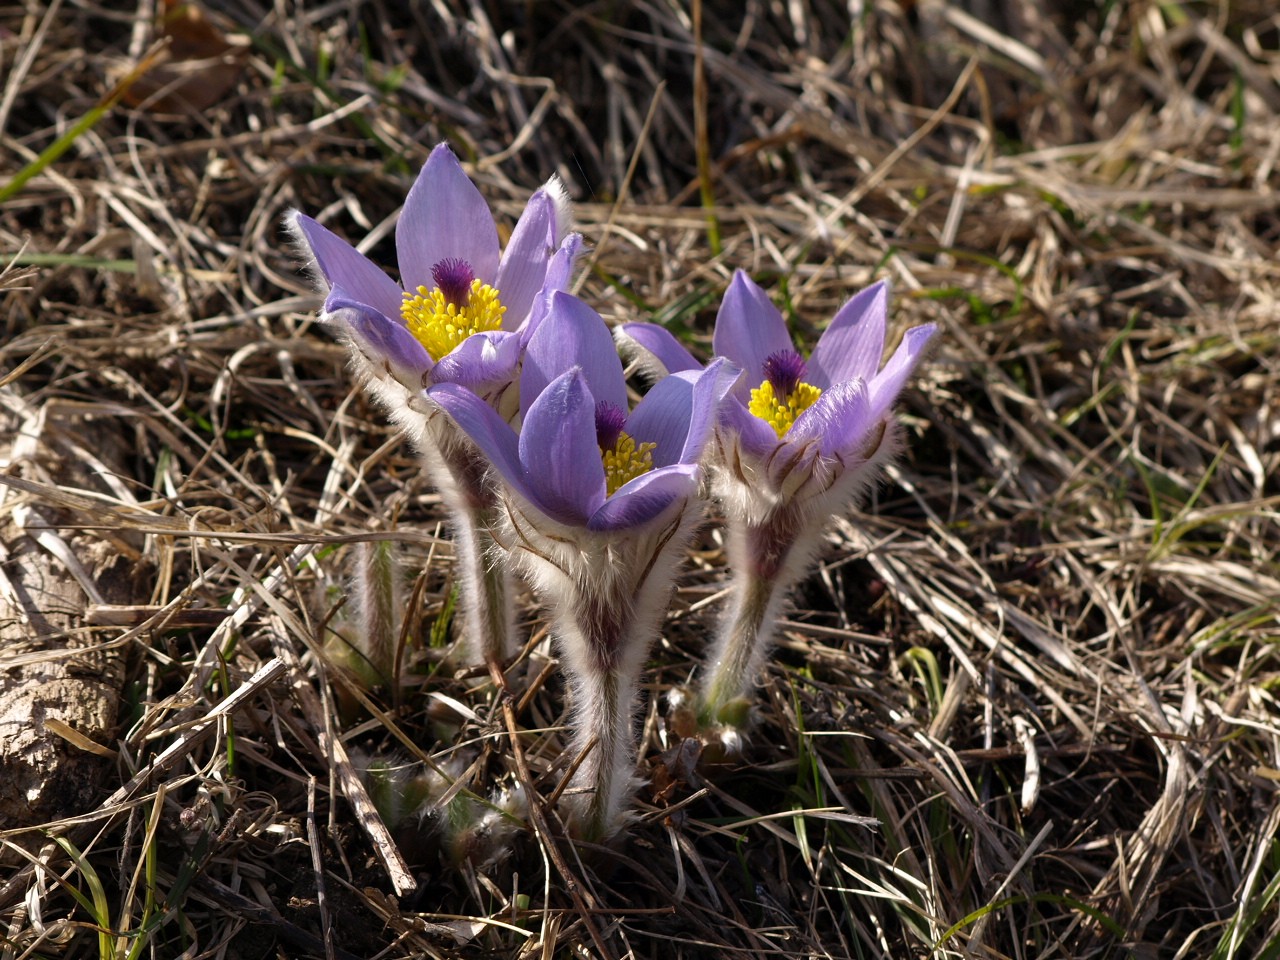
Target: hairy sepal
point(751, 488)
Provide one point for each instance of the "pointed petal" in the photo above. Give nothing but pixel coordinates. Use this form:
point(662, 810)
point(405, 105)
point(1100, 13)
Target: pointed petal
point(384, 342)
point(889, 382)
point(748, 329)
point(524, 262)
point(572, 335)
point(346, 267)
point(665, 354)
point(710, 392)
point(559, 451)
point(487, 430)
point(839, 421)
point(755, 436)
point(853, 343)
point(562, 205)
point(481, 362)
point(559, 273)
point(647, 497)
point(445, 216)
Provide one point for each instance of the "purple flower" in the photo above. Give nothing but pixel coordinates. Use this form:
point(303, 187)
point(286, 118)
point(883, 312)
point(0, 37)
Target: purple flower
point(785, 414)
point(580, 459)
point(462, 314)
point(463, 309)
point(798, 441)
point(600, 507)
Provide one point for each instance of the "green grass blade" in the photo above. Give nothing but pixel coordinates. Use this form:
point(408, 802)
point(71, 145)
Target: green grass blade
point(50, 154)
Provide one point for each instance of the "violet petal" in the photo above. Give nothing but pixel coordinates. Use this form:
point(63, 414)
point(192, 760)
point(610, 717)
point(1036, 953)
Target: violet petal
point(488, 431)
point(710, 392)
point(748, 329)
point(662, 417)
point(383, 341)
point(346, 267)
point(853, 343)
point(559, 451)
point(445, 216)
point(838, 421)
point(559, 273)
point(572, 335)
point(524, 262)
point(562, 208)
point(755, 436)
point(889, 382)
point(645, 498)
point(658, 341)
point(481, 361)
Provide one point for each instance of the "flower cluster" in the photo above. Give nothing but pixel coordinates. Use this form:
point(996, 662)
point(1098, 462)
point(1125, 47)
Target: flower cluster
point(512, 390)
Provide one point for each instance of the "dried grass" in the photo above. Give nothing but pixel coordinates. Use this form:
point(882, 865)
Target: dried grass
point(1025, 709)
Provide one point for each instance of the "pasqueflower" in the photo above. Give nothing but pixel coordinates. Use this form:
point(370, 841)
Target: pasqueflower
point(462, 313)
point(600, 504)
point(798, 440)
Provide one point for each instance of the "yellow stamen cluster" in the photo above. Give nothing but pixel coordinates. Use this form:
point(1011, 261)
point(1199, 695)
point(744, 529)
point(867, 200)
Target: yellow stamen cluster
point(626, 461)
point(781, 413)
point(441, 325)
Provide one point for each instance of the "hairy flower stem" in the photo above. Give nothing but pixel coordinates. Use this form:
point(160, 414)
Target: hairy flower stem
point(607, 594)
point(484, 591)
point(379, 607)
point(602, 719)
point(767, 559)
point(537, 818)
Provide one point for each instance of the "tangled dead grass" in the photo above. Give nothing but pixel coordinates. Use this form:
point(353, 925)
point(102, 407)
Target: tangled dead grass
point(1025, 708)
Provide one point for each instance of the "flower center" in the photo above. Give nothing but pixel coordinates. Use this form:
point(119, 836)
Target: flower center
point(458, 306)
point(623, 458)
point(783, 395)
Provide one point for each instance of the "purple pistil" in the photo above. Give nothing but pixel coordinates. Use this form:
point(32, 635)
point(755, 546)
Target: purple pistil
point(784, 370)
point(609, 423)
point(453, 276)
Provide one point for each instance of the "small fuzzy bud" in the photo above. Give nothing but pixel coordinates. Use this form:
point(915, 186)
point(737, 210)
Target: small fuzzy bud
point(395, 789)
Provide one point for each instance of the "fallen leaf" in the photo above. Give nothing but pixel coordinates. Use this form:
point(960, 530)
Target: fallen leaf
point(199, 66)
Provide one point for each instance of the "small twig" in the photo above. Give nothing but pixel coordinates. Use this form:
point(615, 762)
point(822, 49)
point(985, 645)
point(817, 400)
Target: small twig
point(317, 865)
point(573, 768)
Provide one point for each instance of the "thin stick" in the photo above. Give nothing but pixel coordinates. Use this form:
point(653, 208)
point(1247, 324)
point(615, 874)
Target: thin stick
point(317, 865)
point(702, 144)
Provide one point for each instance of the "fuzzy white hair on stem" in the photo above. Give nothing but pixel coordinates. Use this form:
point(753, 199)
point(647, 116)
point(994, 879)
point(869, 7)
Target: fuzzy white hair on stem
point(606, 594)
